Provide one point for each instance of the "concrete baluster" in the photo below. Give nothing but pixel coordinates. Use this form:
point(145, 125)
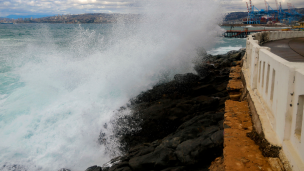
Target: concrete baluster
point(270, 35)
point(285, 35)
point(279, 35)
point(274, 35)
point(288, 34)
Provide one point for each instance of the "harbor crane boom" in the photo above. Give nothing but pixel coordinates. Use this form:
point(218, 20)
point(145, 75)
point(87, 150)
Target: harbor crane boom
point(266, 7)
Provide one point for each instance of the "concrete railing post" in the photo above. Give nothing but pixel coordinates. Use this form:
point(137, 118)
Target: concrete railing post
point(287, 34)
point(248, 54)
point(270, 35)
point(275, 35)
point(255, 65)
point(284, 35)
point(278, 35)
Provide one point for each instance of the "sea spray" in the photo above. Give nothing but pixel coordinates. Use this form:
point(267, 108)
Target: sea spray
point(63, 85)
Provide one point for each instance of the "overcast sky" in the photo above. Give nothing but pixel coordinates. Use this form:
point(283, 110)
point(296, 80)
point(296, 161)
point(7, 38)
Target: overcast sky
point(39, 7)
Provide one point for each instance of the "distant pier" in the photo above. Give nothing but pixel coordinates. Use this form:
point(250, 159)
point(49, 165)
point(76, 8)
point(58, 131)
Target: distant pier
point(241, 33)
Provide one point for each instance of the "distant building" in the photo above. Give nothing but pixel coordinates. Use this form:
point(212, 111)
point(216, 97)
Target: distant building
point(279, 24)
point(300, 25)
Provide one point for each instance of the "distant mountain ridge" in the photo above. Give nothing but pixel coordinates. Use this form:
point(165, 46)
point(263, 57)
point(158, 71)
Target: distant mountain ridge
point(76, 19)
point(28, 16)
point(4, 18)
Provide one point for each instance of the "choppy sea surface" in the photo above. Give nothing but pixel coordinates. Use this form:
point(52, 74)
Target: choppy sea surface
point(224, 45)
point(60, 83)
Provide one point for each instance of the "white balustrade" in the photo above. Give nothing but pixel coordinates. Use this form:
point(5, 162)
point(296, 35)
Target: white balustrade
point(279, 84)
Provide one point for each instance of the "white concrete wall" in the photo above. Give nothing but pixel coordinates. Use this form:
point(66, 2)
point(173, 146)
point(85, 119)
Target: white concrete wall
point(279, 86)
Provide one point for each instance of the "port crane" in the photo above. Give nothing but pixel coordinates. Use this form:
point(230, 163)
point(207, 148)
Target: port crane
point(256, 16)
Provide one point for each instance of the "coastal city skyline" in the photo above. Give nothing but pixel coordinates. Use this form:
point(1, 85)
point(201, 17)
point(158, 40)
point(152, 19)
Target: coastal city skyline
point(41, 8)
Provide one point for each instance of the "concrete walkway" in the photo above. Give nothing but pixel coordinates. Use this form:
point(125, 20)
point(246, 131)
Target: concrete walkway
point(291, 50)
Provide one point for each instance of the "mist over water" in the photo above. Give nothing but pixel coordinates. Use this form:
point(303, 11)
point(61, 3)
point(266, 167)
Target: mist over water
point(61, 84)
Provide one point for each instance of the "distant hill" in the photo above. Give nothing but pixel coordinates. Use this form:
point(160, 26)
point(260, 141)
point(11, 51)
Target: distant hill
point(78, 18)
point(29, 16)
point(3, 18)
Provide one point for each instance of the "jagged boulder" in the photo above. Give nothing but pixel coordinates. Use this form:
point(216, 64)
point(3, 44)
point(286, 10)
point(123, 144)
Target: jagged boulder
point(161, 158)
point(63, 169)
point(182, 78)
point(94, 168)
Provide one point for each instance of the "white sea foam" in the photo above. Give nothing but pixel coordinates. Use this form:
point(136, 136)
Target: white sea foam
point(62, 95)
point(223, 50)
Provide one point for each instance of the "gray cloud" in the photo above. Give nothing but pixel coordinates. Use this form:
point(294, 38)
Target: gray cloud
point(31, 7)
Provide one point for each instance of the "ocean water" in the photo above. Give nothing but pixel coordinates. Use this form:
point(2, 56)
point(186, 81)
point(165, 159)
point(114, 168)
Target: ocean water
point(224, 45)
point(59, 84)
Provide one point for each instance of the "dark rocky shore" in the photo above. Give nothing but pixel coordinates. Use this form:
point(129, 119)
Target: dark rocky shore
point(181, 121)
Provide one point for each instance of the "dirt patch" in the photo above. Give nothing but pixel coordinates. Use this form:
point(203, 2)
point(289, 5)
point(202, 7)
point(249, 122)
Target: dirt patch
point(240, 152)
point(217, 165)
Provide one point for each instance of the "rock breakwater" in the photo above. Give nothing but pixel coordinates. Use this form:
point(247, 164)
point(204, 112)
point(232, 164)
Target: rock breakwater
point(181, 122)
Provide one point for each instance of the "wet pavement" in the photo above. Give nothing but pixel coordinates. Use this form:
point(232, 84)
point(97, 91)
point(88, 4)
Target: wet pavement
point(291, 50)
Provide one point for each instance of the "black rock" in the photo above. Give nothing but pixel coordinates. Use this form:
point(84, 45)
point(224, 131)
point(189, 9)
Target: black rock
point(121, 166)
point(94, 168)
point(182, 78)
point(63, 169)
point(195, 151)
point(162, 157)
point(204, 90)
point(179, 168)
